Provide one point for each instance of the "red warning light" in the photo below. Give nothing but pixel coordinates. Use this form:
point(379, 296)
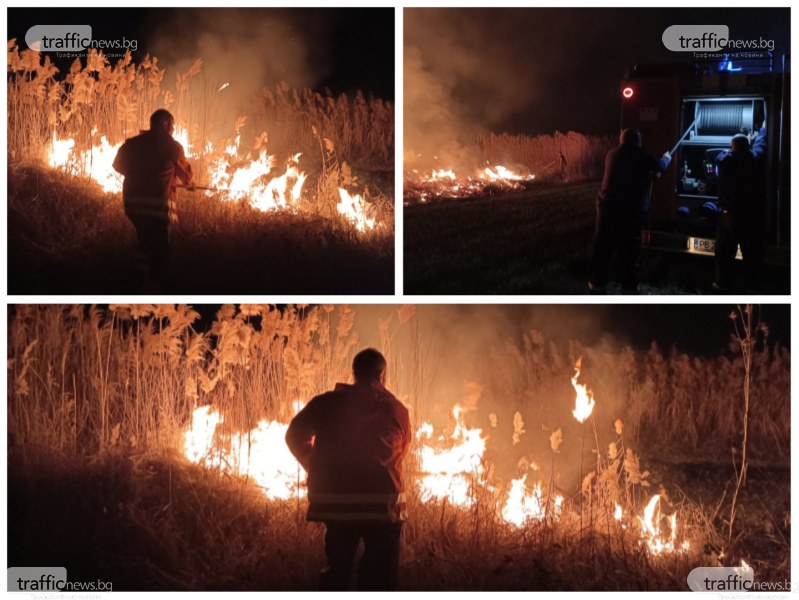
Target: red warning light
point(627, 92)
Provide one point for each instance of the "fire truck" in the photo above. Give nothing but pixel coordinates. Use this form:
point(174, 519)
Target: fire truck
point(704, 104)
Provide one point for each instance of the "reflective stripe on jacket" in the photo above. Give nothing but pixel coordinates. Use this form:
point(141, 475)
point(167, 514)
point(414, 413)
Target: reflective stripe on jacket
point(155, 207)
point(357, 507)
point(352, 442)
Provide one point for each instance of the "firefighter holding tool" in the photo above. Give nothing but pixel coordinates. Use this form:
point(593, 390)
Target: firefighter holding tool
point(622, 204)
point(352, 442)
point(152, 163)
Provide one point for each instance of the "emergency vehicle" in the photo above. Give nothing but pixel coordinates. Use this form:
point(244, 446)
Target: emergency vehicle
point(704, 104)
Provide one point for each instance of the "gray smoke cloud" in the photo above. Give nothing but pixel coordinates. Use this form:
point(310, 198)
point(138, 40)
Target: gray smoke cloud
point(248, 49)
point(463, 75)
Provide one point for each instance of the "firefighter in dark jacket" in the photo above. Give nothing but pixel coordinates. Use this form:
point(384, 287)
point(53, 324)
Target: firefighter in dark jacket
point(622, 204)
point(151, 163)
point(742, 199)
point(352, 442)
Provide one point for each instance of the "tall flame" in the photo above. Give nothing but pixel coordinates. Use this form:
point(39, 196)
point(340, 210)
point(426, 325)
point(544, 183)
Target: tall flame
point(584, 401)
point(234, 179)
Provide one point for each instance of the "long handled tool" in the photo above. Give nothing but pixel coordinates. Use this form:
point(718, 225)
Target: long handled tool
point(192, 188)
point(684, 135)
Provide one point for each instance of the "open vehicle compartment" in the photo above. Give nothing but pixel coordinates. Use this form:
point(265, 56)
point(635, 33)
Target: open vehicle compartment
point(663, 101)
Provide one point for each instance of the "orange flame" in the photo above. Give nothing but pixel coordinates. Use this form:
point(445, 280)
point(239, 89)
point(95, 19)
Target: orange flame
point(451, 465)
point(584, 401)
point(261, 454)
point(656, 538)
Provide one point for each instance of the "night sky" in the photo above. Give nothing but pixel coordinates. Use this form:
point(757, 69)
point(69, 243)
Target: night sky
point(347, 49)
point(561, 67)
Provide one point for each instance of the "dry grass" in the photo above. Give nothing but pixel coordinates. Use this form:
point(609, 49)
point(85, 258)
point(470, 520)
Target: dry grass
point(99, 398)
point(585, 154)
point(118, 99)
point(60, 231)
point(662, 396)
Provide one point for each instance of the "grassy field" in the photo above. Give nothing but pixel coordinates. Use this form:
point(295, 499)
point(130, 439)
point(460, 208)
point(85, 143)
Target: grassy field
point(100, 400)
point(66, 236)
point(533, 242)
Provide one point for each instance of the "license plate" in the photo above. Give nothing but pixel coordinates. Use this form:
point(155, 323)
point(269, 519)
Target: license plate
point(701, 245)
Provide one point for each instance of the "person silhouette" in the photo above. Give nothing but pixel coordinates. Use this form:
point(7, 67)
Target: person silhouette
point(151, 162)
point(352, 441)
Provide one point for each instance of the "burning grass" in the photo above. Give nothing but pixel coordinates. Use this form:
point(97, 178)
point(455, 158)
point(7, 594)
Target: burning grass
point(316, 165)
point(127, 398)
point(67, 236)
point(512, 163)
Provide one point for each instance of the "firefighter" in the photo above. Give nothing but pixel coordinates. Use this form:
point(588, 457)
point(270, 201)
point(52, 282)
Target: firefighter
point(151, 163)
point(742, 199)
point(352, 442)
point(621, 205)
point(563, 165)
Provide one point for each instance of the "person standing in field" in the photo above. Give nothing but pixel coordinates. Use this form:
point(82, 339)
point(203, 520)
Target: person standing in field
point(151, 163)
point(352, 442)
point(742, 199)
point(563, 165)
point(621, 205)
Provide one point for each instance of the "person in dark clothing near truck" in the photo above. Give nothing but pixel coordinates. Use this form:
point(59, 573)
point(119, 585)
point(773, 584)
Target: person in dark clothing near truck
point(151, 163)
point(742, 199)
point(352, 442)
point(622, 204)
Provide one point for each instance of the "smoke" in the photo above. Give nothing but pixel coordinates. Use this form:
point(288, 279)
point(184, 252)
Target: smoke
point(522, 358)
point(248, 49)
point(463, 75)
point(431, 367)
